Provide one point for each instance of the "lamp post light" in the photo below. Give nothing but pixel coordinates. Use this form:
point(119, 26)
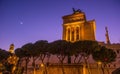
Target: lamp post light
point(99, 65)
point(42, 65)
point(42, 68)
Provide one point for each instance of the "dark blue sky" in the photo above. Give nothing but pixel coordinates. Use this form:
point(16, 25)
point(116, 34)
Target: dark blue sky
point(24, 21)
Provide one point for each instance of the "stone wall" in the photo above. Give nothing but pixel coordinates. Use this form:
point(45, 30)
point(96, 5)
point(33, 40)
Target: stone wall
point(57, 69)
point(72, 69)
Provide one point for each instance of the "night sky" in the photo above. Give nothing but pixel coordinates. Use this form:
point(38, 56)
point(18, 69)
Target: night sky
point(24, 21)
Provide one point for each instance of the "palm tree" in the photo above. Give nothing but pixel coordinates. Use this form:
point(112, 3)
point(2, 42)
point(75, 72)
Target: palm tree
point(61, 49)
point(108, 56)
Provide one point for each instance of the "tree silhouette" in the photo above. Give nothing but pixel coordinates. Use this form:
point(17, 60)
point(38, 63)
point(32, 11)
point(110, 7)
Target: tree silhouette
point(41, 47)
point(61, 49)
point(105, 56)
point(83, 49)
point(26, 55)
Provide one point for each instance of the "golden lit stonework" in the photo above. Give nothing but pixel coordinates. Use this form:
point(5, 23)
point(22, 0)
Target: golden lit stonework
point(12, 59)
point(76, 27)
point(11, 49)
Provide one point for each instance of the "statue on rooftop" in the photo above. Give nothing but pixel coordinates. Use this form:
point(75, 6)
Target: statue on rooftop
point(76, 11)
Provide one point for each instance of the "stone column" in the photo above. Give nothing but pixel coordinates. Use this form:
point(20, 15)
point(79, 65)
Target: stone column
point(64, 33)
point(75, 34)
point(71, 34)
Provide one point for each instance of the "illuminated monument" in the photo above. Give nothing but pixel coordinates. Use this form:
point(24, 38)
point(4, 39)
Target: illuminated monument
point(76, 27)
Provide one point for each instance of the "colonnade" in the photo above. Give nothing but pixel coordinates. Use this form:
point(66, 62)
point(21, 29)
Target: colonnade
point(73, 33)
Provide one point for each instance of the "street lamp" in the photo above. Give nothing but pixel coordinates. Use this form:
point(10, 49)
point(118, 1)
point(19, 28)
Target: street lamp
point(99, 65)
point(42, 65)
